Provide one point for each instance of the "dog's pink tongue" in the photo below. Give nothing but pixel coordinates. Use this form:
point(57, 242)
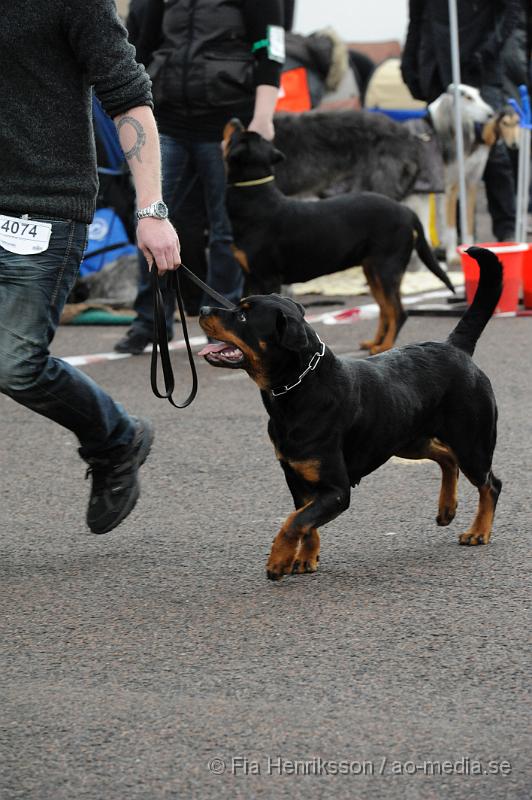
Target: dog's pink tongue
point(212, 348)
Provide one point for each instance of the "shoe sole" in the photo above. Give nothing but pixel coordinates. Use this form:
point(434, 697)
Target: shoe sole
point(144, 451)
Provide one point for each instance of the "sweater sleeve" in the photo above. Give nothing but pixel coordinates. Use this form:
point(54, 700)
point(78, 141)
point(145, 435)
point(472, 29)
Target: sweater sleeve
point(99, 43)
point(257, 17)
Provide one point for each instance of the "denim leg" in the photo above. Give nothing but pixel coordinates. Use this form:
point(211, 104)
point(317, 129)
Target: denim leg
point(178, 177)
point(224, 273)
point(33, 291)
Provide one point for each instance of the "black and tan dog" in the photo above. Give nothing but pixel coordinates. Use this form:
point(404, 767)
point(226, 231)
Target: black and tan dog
point(334, 420)
point(282, 240)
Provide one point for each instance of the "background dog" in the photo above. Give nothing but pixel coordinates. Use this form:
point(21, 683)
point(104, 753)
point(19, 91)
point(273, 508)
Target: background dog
point(341, 151)
point(284, 240)
point(328, 153)
point(333, 420)
point(482, 128)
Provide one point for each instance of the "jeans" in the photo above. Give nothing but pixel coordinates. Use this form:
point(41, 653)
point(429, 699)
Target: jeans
point(182, 164)
point(33, 291)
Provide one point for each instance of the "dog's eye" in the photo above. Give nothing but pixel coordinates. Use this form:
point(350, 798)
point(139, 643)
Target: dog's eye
point(241, 316)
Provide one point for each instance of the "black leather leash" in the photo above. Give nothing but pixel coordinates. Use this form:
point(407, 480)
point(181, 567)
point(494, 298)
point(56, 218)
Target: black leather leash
point(160, 334)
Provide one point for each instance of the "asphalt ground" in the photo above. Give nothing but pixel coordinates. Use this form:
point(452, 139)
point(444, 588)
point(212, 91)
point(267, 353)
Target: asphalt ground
point(158, 662)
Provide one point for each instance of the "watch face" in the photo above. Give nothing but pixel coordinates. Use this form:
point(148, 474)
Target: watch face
point(161, 209)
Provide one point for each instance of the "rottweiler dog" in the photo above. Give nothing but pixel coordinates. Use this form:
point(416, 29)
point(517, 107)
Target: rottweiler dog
point(282, 240)
point(334, 420)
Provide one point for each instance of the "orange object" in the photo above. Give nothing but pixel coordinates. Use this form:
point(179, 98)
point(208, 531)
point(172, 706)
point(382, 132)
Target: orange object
point(511, 256)
point(294, 94)
point(527, 277)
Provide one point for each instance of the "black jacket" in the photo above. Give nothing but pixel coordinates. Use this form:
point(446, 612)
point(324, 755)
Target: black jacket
point(199, 56)
point(484, 26)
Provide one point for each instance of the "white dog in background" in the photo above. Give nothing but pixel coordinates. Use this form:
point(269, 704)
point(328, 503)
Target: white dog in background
point(482, 127)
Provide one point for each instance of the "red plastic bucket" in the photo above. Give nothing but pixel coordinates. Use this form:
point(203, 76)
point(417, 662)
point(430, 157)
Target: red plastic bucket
point(527, 277)
point(511, 256)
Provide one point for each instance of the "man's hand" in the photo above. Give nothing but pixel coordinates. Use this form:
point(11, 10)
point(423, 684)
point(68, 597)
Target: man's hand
point(159, 242)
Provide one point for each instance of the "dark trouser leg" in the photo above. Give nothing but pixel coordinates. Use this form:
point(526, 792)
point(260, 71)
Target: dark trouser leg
point(33, 290)
point(498, 175)
point(224, 274)
point(191, 222)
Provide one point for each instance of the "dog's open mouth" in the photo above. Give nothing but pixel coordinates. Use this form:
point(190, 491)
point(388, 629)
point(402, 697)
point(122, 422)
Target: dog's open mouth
point(222, 355)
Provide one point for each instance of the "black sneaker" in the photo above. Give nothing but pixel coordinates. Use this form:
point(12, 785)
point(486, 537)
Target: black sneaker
point(134, 342)
point(115, 484)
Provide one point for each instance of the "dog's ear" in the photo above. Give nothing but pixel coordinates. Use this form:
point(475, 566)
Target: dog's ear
point(291, 332)
point(277, 156)
point(299, 307)
point(233, 125)
point(235, 152)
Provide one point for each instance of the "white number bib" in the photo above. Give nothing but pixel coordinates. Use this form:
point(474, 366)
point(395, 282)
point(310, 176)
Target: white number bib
point(24, 236)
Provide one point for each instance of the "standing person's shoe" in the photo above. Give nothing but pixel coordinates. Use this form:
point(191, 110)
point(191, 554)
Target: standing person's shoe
point(115, 483)
point(134, 342)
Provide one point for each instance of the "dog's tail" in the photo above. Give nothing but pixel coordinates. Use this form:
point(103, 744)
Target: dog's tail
point(475, 319)
point(427, 256)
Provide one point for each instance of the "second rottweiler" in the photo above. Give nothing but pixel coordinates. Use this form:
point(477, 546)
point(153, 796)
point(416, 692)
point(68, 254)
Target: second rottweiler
point(334, 420)
point(282, 240)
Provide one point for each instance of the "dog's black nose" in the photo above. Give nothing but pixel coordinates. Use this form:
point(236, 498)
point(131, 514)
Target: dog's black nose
point(205, 311)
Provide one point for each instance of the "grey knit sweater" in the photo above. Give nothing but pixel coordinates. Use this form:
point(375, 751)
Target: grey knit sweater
point(51, 53)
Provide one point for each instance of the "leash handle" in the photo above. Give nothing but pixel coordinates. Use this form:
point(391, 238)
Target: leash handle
point(160, 342)
point(160, 335)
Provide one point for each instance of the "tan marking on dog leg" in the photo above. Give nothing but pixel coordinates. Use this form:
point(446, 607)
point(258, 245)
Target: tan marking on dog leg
point(444, 456)
point(309, 470)
point(241, 257)
point(391, 315)
point(308, 555)
point(285, 546)
point(480, 530)
point(382, 325)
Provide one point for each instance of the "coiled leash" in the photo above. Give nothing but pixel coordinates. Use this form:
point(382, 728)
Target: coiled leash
point(160, 334)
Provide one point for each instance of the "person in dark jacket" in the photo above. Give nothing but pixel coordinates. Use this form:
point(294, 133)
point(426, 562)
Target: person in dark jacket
point(209, 60)
point(427, 71)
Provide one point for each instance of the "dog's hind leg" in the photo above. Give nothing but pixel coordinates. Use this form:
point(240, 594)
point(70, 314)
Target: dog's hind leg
point(488, 491)
point(444, 456)
point(382, 327)
point(393, 310)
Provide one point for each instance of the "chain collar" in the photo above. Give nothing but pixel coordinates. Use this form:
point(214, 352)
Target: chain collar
point(313, 363)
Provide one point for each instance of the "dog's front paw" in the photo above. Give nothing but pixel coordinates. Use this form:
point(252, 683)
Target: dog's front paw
point(276, 569)
point(378, 348)
point(472, 538)
point(305, 567)
point(446, 515)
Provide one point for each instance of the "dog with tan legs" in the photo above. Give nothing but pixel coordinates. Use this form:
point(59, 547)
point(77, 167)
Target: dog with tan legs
point(282, 240)
point(333, 420)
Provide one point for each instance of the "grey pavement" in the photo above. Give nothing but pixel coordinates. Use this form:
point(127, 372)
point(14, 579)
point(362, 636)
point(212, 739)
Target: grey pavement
point(158, 662)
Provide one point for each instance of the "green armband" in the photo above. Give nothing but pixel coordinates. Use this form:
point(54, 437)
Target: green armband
point(274, 44)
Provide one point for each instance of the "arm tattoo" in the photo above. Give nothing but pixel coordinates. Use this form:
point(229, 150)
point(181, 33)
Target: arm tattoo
point(133, 152)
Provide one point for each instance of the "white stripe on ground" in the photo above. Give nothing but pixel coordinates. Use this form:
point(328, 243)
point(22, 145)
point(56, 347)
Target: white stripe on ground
point(340, 316)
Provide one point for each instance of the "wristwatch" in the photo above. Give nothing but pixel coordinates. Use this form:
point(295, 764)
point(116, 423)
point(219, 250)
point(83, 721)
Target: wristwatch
point(159, 210)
